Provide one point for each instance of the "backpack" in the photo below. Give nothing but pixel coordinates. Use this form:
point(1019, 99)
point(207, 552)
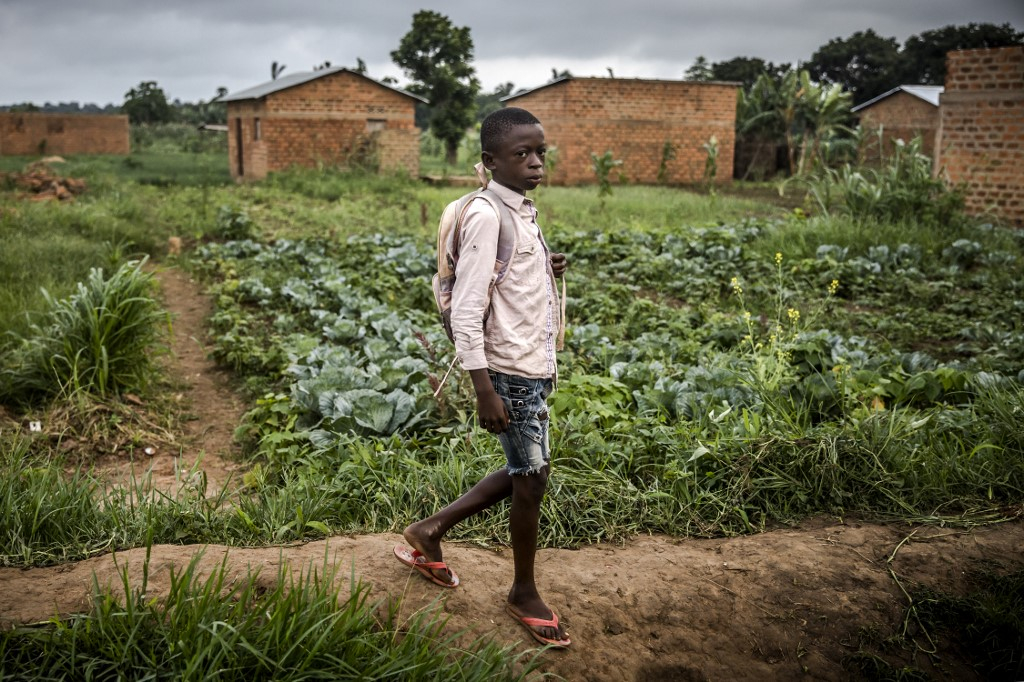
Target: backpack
point(448, 243)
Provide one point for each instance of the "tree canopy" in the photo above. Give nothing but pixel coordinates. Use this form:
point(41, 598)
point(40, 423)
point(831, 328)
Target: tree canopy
point(744, 70)
point(924, 56)
point(868, 65)
point(147, 103)
point(437, 56)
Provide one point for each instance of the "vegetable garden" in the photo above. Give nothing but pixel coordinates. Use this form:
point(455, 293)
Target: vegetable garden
point(731, 367)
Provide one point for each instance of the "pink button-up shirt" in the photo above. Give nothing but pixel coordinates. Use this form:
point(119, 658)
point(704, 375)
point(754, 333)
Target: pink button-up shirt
point(523, 326)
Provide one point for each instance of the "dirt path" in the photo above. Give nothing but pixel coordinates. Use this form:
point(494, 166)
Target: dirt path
point(788, 604)
point(212, 410)
point(783, 605)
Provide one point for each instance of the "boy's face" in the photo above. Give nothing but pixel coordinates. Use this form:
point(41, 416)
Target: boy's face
point(518, 161)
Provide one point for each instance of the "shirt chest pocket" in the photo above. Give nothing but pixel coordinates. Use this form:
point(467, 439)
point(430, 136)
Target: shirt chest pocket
point(529, 266)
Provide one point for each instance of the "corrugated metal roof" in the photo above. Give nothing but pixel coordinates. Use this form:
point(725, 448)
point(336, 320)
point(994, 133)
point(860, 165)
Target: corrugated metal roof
point(291, 80)
point(929, 93)
point(565, 79)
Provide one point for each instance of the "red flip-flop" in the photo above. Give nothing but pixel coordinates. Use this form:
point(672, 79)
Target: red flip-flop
point(413, 559)
point(531, 623)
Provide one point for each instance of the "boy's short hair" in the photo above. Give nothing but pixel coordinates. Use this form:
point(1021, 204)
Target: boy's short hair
point(497, 125)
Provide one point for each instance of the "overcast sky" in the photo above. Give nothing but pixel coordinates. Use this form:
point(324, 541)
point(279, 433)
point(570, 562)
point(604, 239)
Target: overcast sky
point(95, 50)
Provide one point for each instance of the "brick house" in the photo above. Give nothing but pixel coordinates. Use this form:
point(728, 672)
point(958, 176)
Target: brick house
point(36, 133)
point(332, 116)
point(981, 134)
point(634, 119)
point(903, 113)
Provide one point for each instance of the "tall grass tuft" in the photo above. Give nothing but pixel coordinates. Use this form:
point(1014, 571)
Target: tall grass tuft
point(45, 516)
point(100, 340)
point(297, 627)
point(902, 189)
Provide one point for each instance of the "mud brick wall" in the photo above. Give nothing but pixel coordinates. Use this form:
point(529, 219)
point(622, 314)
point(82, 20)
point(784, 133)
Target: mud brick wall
point(338, 120)
point(981, 138)
point(901, 116)
point(28, 134)
point(634, 119)
point(398, 149)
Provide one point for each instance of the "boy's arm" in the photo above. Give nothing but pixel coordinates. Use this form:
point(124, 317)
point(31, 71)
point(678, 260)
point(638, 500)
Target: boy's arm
point(478, 249)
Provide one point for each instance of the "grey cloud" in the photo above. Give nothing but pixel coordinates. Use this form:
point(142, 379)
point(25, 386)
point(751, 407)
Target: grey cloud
point(53, 50)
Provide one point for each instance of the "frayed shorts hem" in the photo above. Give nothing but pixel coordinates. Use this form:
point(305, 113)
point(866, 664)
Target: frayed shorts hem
point(524, 471)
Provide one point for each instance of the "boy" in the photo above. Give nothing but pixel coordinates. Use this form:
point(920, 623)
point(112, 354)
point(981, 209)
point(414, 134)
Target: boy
point(506, 338)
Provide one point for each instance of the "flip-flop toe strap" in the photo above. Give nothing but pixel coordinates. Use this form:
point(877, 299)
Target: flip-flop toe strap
point(540, 622)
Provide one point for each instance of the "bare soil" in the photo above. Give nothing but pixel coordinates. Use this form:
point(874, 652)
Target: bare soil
point(787, 604)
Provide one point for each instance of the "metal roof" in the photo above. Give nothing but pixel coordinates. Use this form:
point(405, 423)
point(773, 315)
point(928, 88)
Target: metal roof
point(565, 79)
point(292, 80)
point(929, 93)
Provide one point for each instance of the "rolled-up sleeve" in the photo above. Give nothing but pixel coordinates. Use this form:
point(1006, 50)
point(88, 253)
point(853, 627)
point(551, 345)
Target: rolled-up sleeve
point(473, 276)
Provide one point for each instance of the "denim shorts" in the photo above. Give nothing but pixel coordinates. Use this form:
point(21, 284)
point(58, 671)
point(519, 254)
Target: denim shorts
point(526, 441)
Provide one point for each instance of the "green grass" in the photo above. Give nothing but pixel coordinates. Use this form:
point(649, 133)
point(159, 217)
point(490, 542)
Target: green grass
point(300, 626)
point(729, 366)
point(145, 167)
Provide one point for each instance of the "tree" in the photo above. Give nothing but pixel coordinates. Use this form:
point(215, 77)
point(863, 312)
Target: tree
point(700, 70)
point(557, 75)
point(147, 103)
point(924, 55)
point(866, 64)
point(436, 56)
point(807, 115)
point(746, 70)
point(491, 102)
point(275, 70)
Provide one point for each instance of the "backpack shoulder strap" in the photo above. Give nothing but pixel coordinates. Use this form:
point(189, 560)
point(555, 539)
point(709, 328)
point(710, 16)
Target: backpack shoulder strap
point(506, 232)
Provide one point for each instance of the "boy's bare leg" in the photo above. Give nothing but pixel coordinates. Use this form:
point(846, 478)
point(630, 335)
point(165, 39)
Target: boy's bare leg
point(425, 536)
point(524, 520)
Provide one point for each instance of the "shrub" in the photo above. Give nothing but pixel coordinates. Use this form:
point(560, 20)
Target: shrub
point(902, 189)
point(98, 340)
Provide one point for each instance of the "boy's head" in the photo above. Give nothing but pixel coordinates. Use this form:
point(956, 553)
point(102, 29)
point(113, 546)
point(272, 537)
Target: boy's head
point(513, 149)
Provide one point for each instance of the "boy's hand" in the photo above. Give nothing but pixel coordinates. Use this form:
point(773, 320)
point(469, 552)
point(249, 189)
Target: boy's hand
point(490, 409)
point(491, 412)
point(559, 264)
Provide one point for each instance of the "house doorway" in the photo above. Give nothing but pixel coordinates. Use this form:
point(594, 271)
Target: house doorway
point(238, 145)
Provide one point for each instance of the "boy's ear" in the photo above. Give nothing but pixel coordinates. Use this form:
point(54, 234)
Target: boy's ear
point(488, 160)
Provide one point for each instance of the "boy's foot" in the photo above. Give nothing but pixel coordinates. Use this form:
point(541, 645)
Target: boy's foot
point(428, 552)
point(427, 569)
point(545, 630)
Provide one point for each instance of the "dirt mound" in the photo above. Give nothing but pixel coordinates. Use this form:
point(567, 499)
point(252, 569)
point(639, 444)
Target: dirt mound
point(38, 182)
point(787, 604)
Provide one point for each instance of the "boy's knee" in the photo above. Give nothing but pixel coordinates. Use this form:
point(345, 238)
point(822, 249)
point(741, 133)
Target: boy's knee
point(532, 485)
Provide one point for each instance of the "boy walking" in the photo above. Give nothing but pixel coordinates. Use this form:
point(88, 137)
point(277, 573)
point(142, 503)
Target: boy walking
point(506, 337)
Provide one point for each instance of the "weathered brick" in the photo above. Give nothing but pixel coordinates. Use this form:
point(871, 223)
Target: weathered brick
point(38, 133)
point(981, 114)
point(634, 119)
point(337, 119)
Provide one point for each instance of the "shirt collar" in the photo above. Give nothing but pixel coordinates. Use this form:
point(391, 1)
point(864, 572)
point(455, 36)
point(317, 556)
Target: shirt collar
point(512, 198)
